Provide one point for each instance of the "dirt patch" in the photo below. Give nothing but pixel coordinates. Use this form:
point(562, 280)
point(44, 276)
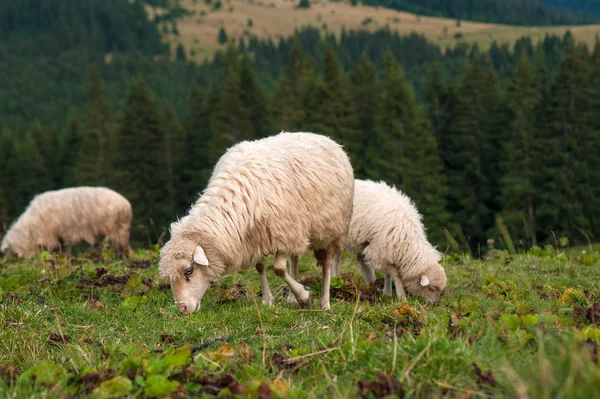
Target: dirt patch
point(213, 384)
point(60, 338)
point(352, 287)
point(230, 295)
point(484, 378)
point(166, 338)
point(102, 279)
point(591, 314)
point(385, 385)
point(140, 264)
point(92, 380)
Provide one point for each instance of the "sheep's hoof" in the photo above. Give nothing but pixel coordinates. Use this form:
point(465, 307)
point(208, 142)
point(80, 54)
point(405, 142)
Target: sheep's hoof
point(325, 305)
point(305, 300)
point(387, 292)
point(291, 299)
point(268, 301)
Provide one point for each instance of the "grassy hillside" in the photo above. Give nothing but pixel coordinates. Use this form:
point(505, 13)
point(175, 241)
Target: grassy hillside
point(199, 32)
point(511, 326)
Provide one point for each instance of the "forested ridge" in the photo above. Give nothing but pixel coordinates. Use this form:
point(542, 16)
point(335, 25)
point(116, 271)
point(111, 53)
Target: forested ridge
point(469, 135)
point(512, 12)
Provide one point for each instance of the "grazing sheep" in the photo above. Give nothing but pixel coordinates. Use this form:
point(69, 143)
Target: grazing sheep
point(387, 233)
point(281, 195)
point(71, 215)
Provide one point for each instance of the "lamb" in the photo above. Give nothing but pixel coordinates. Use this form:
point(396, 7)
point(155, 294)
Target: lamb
point(387, 233)
point(281, 195)
point(71, 215)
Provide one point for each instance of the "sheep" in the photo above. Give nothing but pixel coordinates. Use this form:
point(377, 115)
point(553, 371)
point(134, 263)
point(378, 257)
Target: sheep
point(281, 195)
point(387, 233)
point(71, 215)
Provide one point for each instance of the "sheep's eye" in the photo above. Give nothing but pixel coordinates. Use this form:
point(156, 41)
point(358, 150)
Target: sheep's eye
point(188, 271)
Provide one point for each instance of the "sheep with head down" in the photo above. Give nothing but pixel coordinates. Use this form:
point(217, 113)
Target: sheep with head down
point(388, 235)
point(70, 215)
point(281, 195)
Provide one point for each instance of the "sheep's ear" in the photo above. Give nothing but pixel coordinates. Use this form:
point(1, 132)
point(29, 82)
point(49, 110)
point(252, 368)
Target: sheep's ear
point(424, 280)
point(200, 256)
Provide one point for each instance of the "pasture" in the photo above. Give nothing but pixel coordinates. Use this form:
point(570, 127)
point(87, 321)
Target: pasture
point(198, 32)
point(102, 326)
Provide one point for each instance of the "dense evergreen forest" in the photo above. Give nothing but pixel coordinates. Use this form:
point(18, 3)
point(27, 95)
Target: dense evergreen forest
point(469, 135)
point(512, 12)
point(587, 6)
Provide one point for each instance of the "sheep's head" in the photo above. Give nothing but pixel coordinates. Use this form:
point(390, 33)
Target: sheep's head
point(429, 285)
point(185, 264)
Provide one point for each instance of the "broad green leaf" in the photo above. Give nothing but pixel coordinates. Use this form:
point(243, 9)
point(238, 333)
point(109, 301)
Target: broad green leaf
point(114, 388)
point(46, 372)
point(157, 385)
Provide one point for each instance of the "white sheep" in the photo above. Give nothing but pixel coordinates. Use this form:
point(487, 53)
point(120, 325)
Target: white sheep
point(281, 195)
point(388, 235)
point(71, 215)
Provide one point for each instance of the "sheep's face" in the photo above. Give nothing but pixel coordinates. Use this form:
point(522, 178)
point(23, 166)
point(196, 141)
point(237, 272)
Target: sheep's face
point(190, 281)
point(430, 285)
point(185, 264)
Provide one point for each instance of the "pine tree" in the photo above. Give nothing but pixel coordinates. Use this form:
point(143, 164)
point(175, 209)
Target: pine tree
point(93, 162)
point(174, 152)
point(48, 143)
point(200, 160)
point(223, 36)
point(141, 162)
point(253, 99)
point(593, 162)
point(26, 172)
point(407, 151)
point(180, 53)
point(309, 97)
point(7, 194)
point(229, 121)
point(568, 150)
point(517, 185)
point(364, 87)
point(334, 112)
point(71, 147)
point(470, 153)
point(286, 111)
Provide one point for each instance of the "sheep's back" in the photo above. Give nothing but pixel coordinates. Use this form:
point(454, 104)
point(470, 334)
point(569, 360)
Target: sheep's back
point(285, 193)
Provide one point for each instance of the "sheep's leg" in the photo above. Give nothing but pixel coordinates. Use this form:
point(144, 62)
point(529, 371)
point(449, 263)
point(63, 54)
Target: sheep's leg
point(301, 294)
point(387, 285)
point(326, 260)
point(399, 286)
point(267, 297)
point(366, 270)
point(337, 265)
point(291, 298)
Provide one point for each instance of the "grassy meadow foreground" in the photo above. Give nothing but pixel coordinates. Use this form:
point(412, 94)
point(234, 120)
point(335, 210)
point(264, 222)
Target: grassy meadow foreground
point(101, 326)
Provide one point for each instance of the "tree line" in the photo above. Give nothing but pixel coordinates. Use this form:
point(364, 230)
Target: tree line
point(526, 150)
point(513, 12)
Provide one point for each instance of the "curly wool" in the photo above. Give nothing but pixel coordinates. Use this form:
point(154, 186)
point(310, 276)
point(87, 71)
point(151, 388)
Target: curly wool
point(388, 223)
point(283, 194)
point(71, 215)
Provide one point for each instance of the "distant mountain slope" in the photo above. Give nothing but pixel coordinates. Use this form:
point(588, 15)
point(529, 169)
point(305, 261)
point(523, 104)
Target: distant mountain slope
point(513, 12)
point(199, 30)
point(51, 26)
point(586, 6)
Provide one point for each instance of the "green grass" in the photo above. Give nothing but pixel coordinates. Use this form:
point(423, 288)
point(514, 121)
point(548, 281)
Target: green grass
point(512, 326)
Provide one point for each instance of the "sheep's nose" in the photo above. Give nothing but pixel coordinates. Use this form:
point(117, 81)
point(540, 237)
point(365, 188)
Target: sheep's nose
point(183, 308)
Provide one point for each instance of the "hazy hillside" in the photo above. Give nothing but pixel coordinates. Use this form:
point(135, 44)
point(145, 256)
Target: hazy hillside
point(514, 12)
point(587, 6)
point(199, 31)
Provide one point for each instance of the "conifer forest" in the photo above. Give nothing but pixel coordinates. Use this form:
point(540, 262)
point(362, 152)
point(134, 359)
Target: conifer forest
point(483, 140)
